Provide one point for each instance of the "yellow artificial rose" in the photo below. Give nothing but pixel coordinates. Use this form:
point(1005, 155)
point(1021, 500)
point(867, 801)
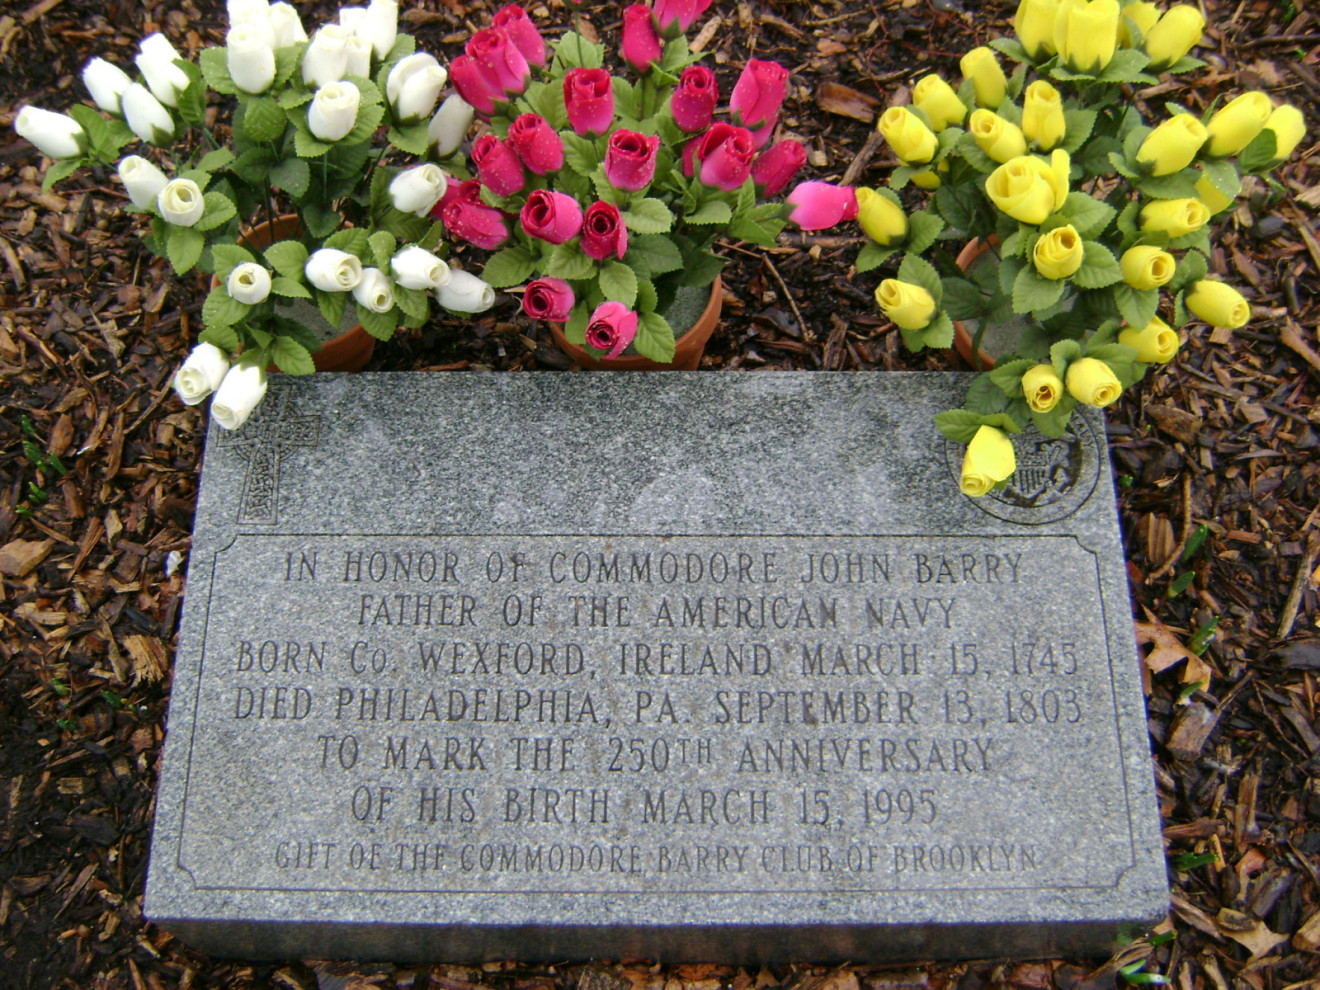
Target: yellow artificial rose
point(1289, 128)
point(1143, 14)
point(1043, 387)
point(999, 138)
point(1214, 200)
point(1156, 344)
point(1042, 115)
point(989, 460)
point(1147, 267)
point(1029, 188)
point(1218, 304)
point(910, 306)
point(937, 100)
point(1086, 34)
point(1058, 252)
point(1240, 120)
point(982, 67)
point(1174, 217)
point(929, 181)
point(1034, 26)
point(907, 134)
point(1176, 33)
point(881, 218)
point(1173, 145)
point(1092, 382)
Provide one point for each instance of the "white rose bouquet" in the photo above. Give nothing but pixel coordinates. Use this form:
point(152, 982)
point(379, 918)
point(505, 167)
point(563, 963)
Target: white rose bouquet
point(329, 128)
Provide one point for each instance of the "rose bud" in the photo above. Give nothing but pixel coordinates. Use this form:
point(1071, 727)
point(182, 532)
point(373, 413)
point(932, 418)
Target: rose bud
point(775, 167)
point(1147, 267)
point(475, 223)
point(449, 125)
point(881, 218)
point(241, 391)
point(1043, 122)
point(990, 459)
point(1091, 382)
point(1288, 127)
point(374, 292)
point(415, 190)
point(725, 153)
point(1232, 128)
point(405, 69)
point(472, 85)
point(181, 202)
point(286, 25)
point(641, 45)
point(251, 60)
point(1174, 35)
point(498, 166)
point(465, 293)
point(937, 100)
point(56, 135)
point(551, 216)
point(418, 96)
point(146, 116)
point(357, 57)
point(674, 17)
point(981, 66)
point(332, 270)
point(1058, 252)
point(589, 99)
point(694, 99)
point(248, 283)
point(326, 56)
point(611, 328)
point(500, 62)
point(379, 27)
point(143, 180)
point(351, 17)
point(757, 97)
point(513, 20)
point(1175, 217)
point(1086, 34)
point(107, 83)
point(467, 191)
point(1218, 304)
point(156, 63)
point(603, 232)
point(201, 374)
point(907, 134)
point(630, 160)
point(817, 205)
point(537, 143)
point(1034, 26)
point(333, 111)
point(1000, 139)
point(1042, 387)
point(548, 299)
point(1156, 343)
point(1143, 14)
point(1173, 145)
point(417, 268)
point(909, 306)
point(1029, 188)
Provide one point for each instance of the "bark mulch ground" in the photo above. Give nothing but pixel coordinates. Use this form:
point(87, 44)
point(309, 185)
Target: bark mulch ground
point(1216, 459)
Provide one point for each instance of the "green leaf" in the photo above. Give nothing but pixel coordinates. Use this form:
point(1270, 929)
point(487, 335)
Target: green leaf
point(382, 248)
point(939, 333)
point(291, 357)
point(293, 175)
point(218, 210)
point(567, 261)
point(411, 138)
point(289, 288)
point(1055, 422)
point(985, 396)
point(1062, 354)
point(1137, 306)
point(222, 310)
point(1223, 176)
point(287, 60)
point(227, 257)
point(223, 337)
point(1077, 127)
point(263, 119)
point(61, 170)
point(1099, 267)
point(580, 153)
point(1260, 153)
point(379, 325)
point(1179, 185)
point(924, 229)
point(715, 212)
point(648, 216)
point(919, 271)
point(1088, 215)
point(292, 99)
point(655, 254)
point(213, 161)
point(1192, 268)
point(1011, 48)
point(331, 305)
point(1008, 376)
point(184, 246)
point(253, 165)
point(191, 106)
point(618, 282)
point(1032, 291)
point(647, 298)
point(214, 63)
point(963, 300)
point(1126, 66)
point(415, 304)
point(511, 266)
point(574, 51)
point(353, 240)
point(701, 269)
point(655, 338)
point(871, 256)
point(960, 425)
point(288, 258)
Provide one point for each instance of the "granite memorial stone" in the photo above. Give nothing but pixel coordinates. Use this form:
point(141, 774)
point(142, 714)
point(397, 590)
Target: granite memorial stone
point(682, 666)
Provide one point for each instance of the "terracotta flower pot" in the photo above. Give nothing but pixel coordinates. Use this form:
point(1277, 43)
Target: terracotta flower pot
point(687, 349)
point(962, 337)
point(350, 350)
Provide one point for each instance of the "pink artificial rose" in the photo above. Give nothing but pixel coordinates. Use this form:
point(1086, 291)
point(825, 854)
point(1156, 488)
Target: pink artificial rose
point(476, 223)
point(611, 328)
point(472, 86)
point(630, 160)
point(674, 17)
point(498, 166)
point(551, 216)
point(589, 99)
point(641, 45)
point(468, 191)
point(513, 20)
point(503, 67)
point(537, 143)
point(723, 156)
point(757, 97)
point(775, 167)
point(603, 232)
point(694, 99)
point(548, 299)
point(817, 205)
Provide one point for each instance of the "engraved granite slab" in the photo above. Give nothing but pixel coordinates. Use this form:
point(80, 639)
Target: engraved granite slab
point(684, 666)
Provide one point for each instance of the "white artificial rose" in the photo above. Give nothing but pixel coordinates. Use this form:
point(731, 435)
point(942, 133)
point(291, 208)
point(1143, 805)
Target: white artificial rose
point(146, 116)
point(286, 24)
point(403, 69)
point(333, 110)
point(143, 180)
point(416, 190)
point(374, 291)
point(351, 17)
point(251, 59)
point(240, 392)
point(358, 57)
point(258, 23)
point(417, 268)
point(450, 124)
point(55, 134)
point(156, 63)
point(181, 202)
point(326, 56)
point(465, 293)
point(201, 374)
point(419, 93)
point(106, 82)
point(241, 10)
point(380, 26)
point(248, 283)
point(332, 270)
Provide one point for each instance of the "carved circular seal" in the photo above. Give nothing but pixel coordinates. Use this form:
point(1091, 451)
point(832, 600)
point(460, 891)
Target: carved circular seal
point(1054, 477)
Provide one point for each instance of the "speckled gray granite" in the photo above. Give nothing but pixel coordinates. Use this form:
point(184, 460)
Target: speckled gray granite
point(683, 666)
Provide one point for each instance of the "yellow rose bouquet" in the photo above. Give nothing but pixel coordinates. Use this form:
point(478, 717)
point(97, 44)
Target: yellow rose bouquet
point(1093, 219)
